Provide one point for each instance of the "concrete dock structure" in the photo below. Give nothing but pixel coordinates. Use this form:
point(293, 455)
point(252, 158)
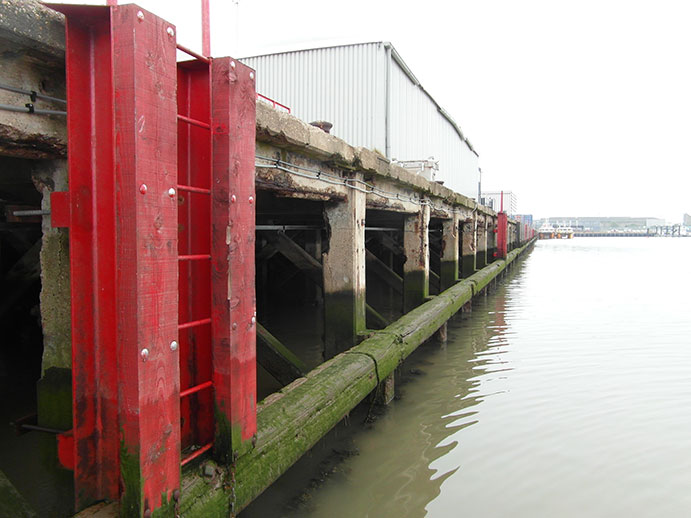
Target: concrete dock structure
point(154, 318)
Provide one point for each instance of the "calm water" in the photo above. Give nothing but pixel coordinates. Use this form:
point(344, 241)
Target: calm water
point(566, 393)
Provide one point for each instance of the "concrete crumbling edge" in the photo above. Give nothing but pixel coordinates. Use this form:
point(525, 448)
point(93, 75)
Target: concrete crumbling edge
point(289, 132)
point(291, 421)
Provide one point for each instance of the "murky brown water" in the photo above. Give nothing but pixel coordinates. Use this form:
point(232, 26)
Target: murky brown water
point(565, 393)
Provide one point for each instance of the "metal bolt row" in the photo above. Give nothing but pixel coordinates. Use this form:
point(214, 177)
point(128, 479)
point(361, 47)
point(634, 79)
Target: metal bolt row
point(174, 344)
point(144, 189)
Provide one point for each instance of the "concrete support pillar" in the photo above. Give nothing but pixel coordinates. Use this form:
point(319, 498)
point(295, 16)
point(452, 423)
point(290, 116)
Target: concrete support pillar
point(55, 275)
point(416, 266)
point(481, 244)
point(491, 240)
point(467, 248)
point(449, 252)
point(344, 274)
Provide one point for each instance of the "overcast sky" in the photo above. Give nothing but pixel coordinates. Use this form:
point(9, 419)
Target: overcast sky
point(579, 107)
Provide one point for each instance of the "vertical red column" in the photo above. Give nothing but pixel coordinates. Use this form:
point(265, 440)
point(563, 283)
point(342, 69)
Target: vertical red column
point(232, 264)
point(88, 210)
point(502, 235)
point(144, 78)
point(122, 213)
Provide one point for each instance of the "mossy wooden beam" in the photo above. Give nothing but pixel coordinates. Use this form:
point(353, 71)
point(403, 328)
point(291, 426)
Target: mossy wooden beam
point(277, 359)
point(292, 420)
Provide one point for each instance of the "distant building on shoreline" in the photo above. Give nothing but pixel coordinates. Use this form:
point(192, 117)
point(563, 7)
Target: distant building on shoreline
point(602, 223)
point(492, 199)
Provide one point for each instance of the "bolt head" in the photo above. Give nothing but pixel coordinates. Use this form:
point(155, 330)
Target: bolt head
point(170, 32)
point(171, 192)
point(232, 64)
point(233, 199)
point(235, 325)
point(140, 16)
point(173, 346)
point(144, 354)
point(251, 75)
point(143, 188)
point(253, 320)
point(251, 200)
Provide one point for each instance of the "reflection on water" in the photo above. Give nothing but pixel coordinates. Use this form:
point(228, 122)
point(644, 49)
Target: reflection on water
point(565, 393)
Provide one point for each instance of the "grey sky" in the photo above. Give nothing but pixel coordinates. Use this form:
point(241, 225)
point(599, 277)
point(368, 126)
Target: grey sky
point(581, 108)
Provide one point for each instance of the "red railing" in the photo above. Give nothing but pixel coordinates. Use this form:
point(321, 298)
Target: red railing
point(272, 102)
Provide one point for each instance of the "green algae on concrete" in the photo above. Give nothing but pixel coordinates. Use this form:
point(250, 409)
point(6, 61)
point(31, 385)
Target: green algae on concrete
point(467, 266)
point(448, 274)
point(415, 289)
point(54, 399)
point(345, 319)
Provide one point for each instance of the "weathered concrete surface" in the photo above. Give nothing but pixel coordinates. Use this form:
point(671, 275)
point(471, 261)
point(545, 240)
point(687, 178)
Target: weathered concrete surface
point(55, 301)
point(344, 274)
point(286, 131)
point(416, 267)
point(32, 43)
point(450, 250)
point(30, 24)
point(468, 248)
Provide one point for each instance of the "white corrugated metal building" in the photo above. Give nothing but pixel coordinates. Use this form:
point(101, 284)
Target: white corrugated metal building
point(373, 100)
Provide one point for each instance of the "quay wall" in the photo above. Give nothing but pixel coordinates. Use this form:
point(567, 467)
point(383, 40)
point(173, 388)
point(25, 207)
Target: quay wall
point(443, 248)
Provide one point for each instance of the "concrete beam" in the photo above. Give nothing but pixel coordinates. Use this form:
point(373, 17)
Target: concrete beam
point(32, 44)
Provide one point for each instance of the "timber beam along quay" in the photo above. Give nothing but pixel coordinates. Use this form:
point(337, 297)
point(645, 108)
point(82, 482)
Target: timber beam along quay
point(191, 213)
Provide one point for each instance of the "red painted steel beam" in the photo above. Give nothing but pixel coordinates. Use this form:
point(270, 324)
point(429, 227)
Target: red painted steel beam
point(232, 255)
point(123, 254)
point(89, 212)
point(502, 235)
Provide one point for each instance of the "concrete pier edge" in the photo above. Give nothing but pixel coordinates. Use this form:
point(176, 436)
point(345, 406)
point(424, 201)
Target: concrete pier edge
point(291, 421)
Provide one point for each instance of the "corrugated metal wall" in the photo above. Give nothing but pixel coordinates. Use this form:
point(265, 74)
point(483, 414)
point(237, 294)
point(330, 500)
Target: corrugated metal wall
point(419, 130)
point(346, 86)
point(343, 85)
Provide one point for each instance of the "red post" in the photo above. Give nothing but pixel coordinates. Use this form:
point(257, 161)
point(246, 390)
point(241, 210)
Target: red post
point(123, 256)
point(502, 235)
point(233, 229)
point(206, 29)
